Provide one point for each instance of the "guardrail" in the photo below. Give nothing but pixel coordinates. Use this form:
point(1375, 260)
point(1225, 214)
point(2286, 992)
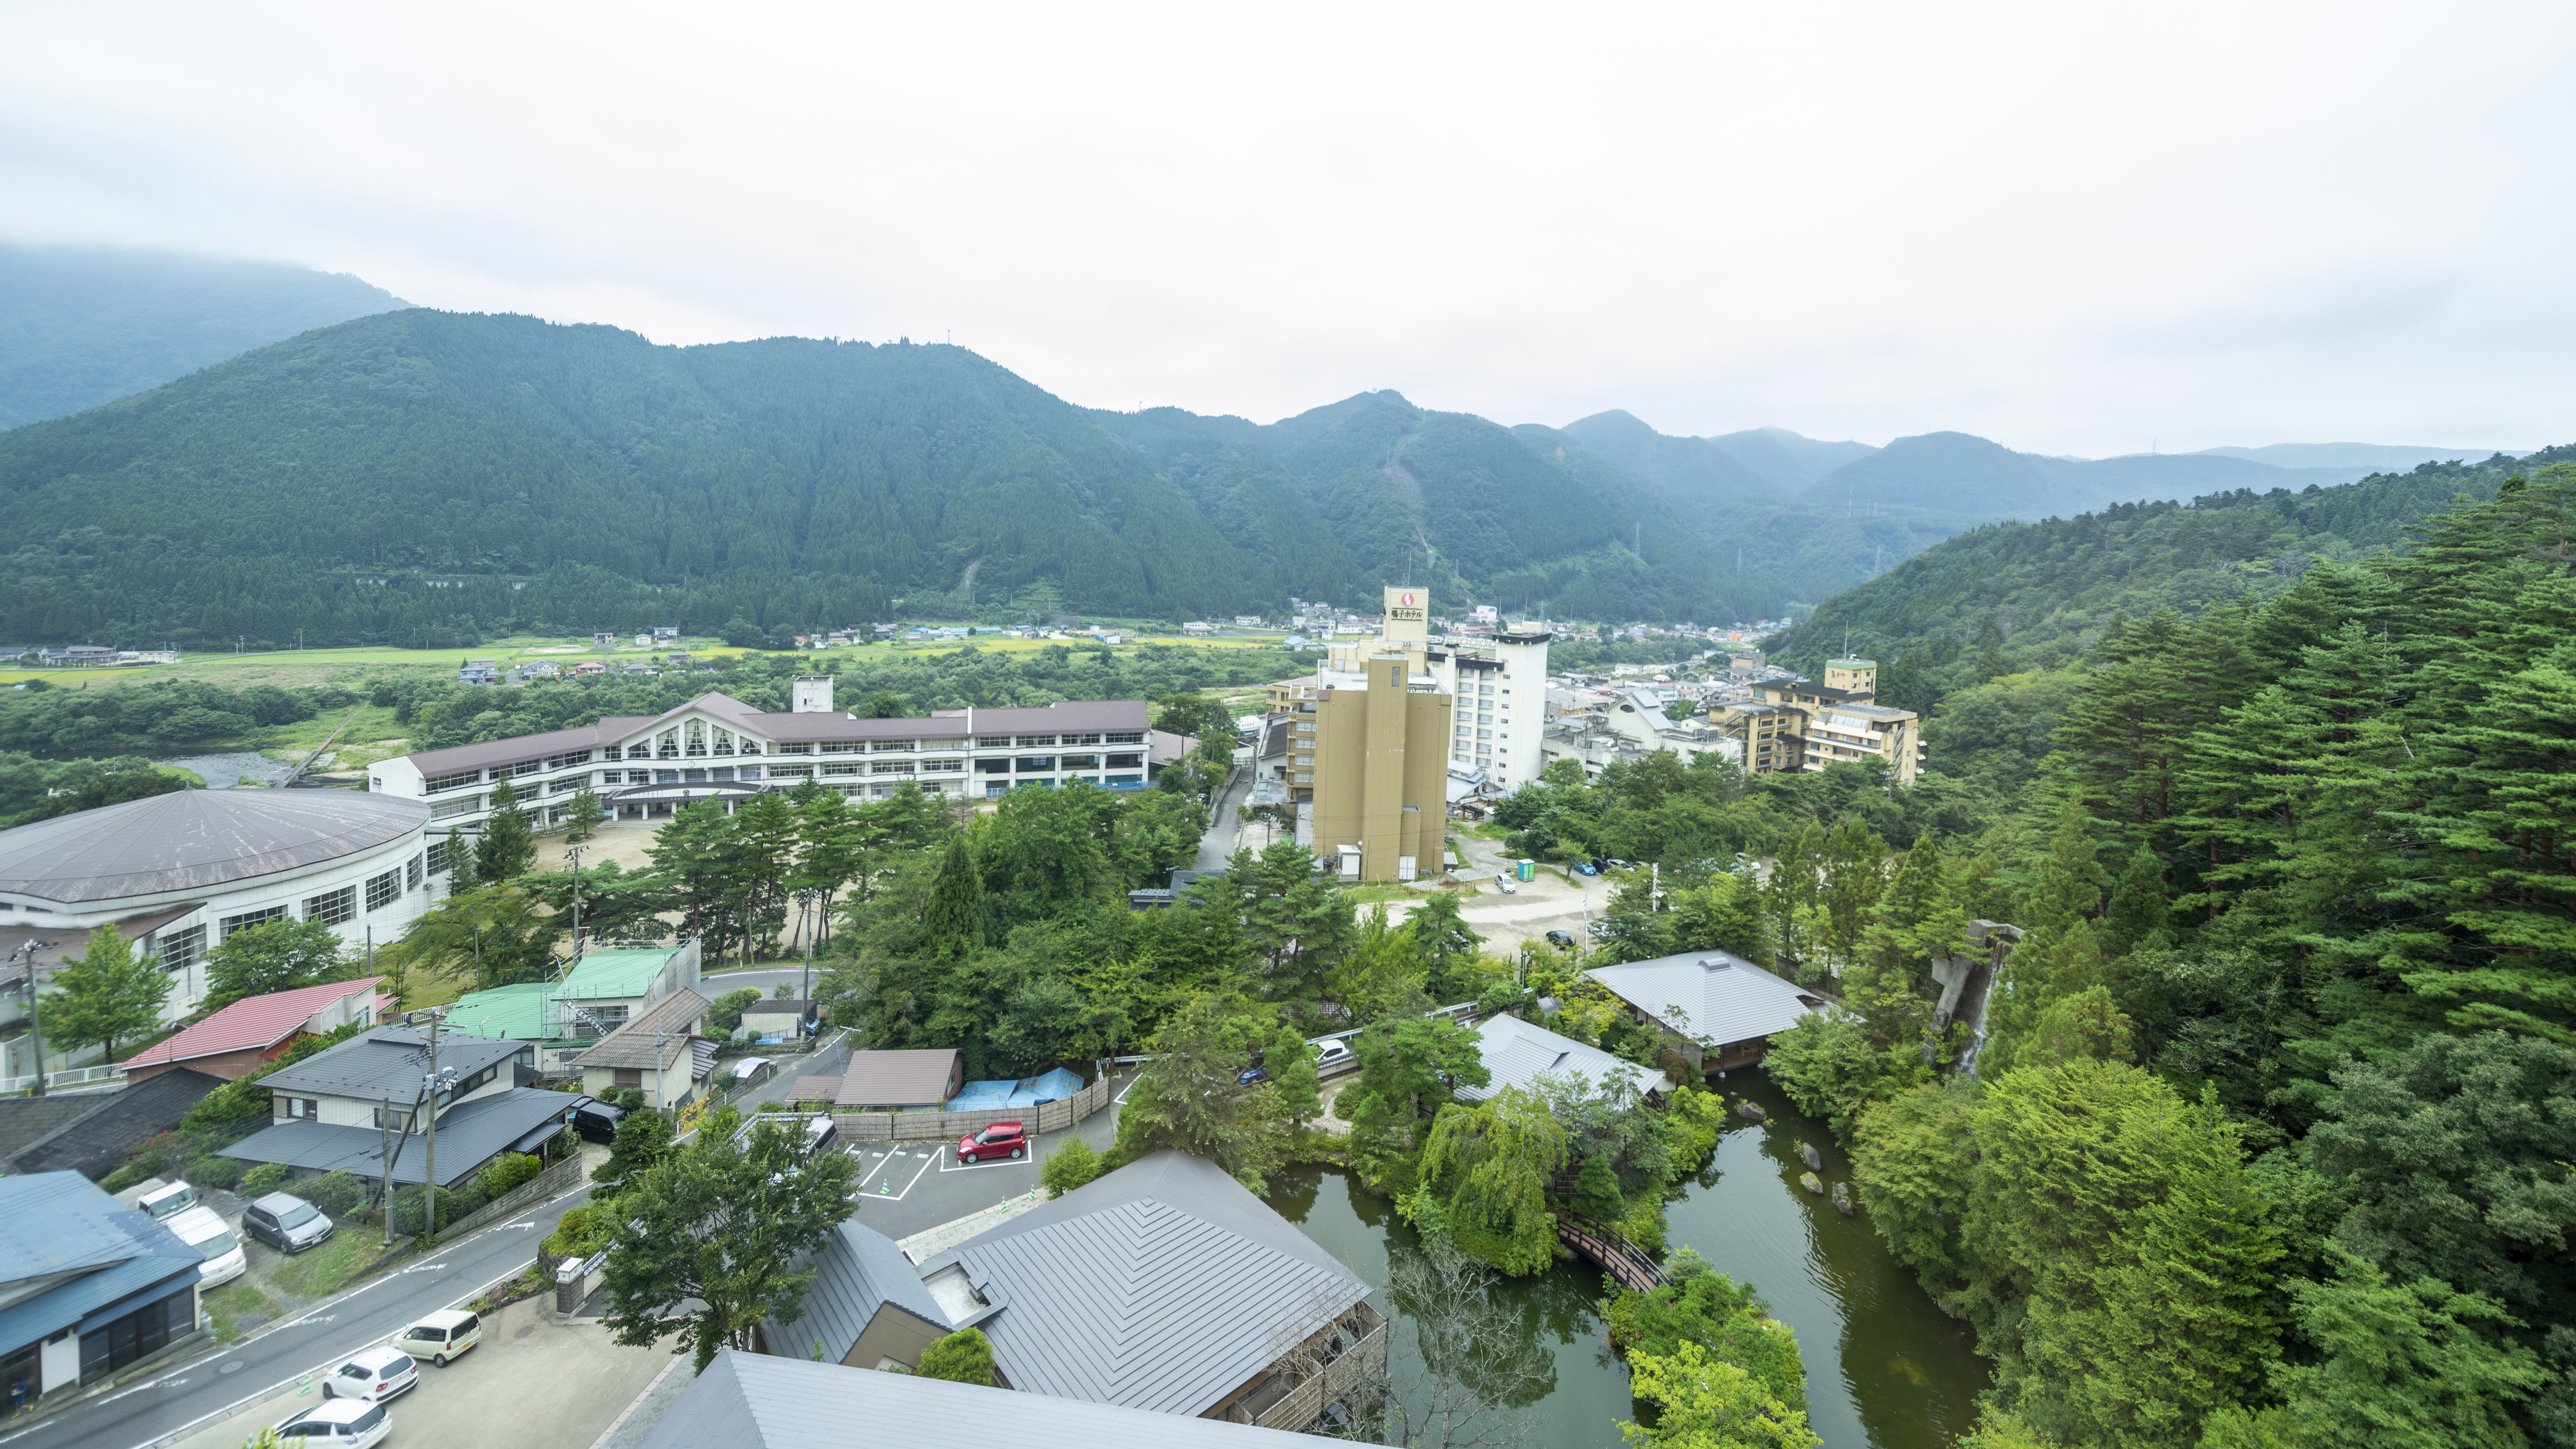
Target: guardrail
point(101, 1075)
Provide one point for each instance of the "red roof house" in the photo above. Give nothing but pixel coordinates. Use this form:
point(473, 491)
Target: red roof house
point(256, 1030)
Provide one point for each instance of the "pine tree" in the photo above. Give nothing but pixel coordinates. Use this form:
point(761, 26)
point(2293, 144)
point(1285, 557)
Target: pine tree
point(955, 918)
point(1291, 1064)
point(506, 847)
point(1795, 887)
point(583, 816)
point(2137, 914)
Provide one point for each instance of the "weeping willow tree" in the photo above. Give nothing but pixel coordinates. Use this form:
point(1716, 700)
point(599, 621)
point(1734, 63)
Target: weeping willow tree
point(1485, 1171)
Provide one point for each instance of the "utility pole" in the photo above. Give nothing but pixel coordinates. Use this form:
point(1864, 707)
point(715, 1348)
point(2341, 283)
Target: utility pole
point(805, 993)
point(432, 1085)
point(574, 855)
point(35, 1028)
point(385, 1156)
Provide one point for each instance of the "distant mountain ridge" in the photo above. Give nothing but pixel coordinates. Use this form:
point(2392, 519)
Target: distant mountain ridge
point(81, 326)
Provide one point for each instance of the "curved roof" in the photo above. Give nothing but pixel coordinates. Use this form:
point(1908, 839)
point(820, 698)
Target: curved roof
point(195, 840)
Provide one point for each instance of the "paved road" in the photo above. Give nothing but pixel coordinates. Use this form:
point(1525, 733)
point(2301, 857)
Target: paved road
point(1224, 821)
point(211, 1385)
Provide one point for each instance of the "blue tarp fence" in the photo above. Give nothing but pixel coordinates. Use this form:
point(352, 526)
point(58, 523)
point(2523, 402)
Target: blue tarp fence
point(1055, 1086)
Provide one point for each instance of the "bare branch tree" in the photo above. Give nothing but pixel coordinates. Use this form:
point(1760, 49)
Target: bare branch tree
point(1478, 1367)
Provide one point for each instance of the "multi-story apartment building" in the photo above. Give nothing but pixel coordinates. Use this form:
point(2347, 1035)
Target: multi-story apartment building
point(1800, 724)
point(718, 748)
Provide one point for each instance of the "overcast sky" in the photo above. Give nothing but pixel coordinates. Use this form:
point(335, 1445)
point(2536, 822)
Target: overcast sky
point(2075, 229)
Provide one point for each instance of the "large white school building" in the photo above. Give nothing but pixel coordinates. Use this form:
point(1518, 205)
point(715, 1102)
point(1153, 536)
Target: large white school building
point(717, 748)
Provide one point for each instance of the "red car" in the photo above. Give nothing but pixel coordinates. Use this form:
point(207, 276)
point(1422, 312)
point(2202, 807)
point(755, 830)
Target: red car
point(1002, 1139)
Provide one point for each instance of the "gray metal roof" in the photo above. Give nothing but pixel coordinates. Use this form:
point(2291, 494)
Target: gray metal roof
point(195, 840)
point(1164, 1286)
point(655, 1039)
point(1515, 1052)
point(469, 1135)
point(898, 1078)
point(857, 1271)
point(755, 1401)
point(388, 1062)
point(1725, 998)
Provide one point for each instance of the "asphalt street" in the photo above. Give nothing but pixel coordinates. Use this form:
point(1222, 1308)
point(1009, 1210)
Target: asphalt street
point(209, 1386)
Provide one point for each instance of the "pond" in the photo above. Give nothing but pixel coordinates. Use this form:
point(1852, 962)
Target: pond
point(1885, 1368)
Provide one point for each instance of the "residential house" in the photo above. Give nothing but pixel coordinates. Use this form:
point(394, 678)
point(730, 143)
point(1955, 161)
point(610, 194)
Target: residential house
point(89, 1287)
point(1718, 1010)
point(90, 1132)
point(659, 1053)
point(251, 1033)
point(332, 1111)
point(782, 1017)
point(1516, 1052)
point(753, 1401)
point(1224, 1310)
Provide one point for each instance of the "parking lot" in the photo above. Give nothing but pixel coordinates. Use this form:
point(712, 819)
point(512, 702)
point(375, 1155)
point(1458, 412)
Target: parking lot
point(532, 1380)
point(907, 1187)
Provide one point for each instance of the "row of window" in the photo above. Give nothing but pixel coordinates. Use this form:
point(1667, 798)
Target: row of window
point(695, 747)
point(996, 788)
point(183, 949)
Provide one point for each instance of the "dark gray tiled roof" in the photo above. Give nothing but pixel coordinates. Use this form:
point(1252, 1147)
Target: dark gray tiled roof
point(94, 1142)
point(857, 1271)
point(1163, 1286)
point(468, 1137)
point(754, 1401)
point(25, 1121)
point(388, 1062)
point(193, 840)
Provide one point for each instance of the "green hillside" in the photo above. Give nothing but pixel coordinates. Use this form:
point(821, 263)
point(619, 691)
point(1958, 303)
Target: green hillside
point(2042, 593)
point(80, 326)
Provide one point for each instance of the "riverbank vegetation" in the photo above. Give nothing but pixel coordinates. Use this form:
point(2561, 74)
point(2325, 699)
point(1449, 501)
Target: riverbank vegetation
point(2267, 1139)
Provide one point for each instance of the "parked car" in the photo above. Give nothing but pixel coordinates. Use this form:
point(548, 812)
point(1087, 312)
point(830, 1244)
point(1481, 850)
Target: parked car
point(337, 1423)
point(1252, 1076)
point(164, 1200)
point(1503, 879)
point(597, 1121)
point(287, 1223)
point(441, 1336)
point(1002, 1139)
point(1560, 940)
point(1585, 867)
point(375, 1375)
point(203, 1229)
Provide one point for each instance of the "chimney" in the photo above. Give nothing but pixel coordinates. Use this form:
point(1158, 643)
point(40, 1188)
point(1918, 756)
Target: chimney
point(813, 695)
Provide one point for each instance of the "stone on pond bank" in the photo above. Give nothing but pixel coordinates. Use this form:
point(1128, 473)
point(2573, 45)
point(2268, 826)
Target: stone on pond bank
point(1815, 1160)
point(1751, 1113)
point(1811, 1183)
point(1842, 1198)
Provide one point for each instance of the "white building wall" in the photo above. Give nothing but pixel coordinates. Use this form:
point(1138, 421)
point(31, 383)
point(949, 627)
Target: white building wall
point(1516, 747)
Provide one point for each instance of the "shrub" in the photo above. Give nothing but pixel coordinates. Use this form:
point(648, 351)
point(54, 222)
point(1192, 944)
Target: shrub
point(1073, 1163)
point(211, 1171)
point(964, 1357)
point(127, 1176)
point(335, 1193)
point(724, 1015)
point(265, 1178)
point(581, 1232)
point(508, 1171)
point(452, 1205)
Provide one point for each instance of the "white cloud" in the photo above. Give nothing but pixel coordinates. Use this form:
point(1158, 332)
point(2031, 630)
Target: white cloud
point(2074, 230)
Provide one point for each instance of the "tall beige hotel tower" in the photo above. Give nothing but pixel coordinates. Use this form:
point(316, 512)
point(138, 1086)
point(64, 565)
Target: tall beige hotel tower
point(1374, 734)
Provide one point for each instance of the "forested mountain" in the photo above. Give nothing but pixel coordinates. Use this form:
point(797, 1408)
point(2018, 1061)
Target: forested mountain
point(82, 325)
point(2041, 593)
point(428, 478)
point(1957, 473)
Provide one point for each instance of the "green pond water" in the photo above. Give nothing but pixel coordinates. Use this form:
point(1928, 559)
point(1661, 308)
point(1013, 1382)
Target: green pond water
point(1884, 1367)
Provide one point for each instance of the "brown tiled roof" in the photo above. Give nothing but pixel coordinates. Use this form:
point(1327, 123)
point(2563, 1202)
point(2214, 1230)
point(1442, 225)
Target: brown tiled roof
point(898, 1079)
point(815, 1089)
point(673, 1020)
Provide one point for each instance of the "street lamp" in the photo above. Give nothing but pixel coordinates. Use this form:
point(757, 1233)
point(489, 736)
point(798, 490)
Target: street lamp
point(35, 1028)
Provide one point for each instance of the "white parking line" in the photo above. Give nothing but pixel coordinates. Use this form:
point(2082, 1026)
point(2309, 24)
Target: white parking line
point(947, 1166)
point(885, 1176)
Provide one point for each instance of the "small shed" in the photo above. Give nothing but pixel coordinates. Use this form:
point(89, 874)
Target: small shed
point(897, 1081)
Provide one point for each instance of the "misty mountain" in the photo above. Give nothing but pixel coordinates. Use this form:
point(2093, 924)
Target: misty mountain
point(80, 326)
point(2379, 457)
point(1961, 474)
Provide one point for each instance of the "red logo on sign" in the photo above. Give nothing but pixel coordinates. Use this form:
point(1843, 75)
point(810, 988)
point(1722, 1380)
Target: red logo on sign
point(1408, 598)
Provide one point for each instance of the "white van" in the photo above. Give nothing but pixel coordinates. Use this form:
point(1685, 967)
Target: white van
point(159, 1200)
point(203, 1229)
